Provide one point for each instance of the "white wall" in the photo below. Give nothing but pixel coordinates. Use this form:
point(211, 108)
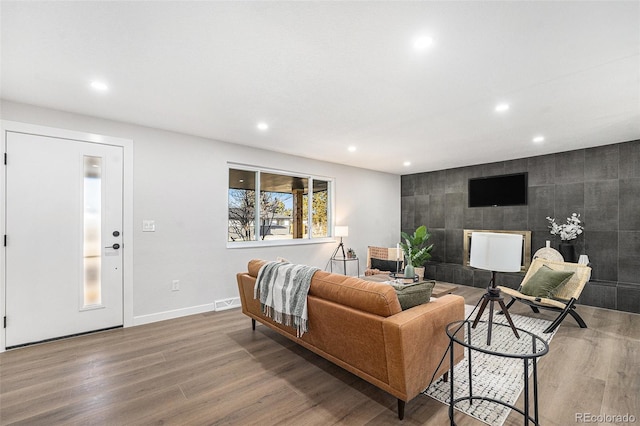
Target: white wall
point(180, 181)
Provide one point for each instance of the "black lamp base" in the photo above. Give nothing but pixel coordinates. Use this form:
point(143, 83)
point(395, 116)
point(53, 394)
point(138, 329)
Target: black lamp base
point(344, 256)
point(492, 296)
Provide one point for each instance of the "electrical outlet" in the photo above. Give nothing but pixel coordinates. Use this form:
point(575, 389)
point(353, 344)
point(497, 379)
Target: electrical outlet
point(175, 285)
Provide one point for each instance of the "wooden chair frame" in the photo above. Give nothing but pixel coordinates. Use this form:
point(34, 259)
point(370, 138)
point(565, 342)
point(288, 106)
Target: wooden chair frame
point(564, 300)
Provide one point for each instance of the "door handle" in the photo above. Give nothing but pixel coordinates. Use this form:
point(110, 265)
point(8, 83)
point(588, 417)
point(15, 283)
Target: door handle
point(116, 246)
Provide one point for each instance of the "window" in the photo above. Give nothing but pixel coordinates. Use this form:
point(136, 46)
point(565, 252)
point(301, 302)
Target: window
point(320, 209)
point(267, 206)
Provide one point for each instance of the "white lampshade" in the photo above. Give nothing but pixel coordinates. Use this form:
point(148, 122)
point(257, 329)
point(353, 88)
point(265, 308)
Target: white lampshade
point(496, 252)
point(341, 231)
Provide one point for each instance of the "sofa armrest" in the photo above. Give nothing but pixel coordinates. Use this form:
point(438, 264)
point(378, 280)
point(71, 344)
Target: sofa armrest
point(416, 341)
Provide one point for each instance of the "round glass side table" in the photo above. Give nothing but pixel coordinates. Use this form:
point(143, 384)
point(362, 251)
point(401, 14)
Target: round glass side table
point(528, 348)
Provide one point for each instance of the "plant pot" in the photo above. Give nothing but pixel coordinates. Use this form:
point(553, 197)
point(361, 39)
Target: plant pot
point(419, 272)
point(568, 252)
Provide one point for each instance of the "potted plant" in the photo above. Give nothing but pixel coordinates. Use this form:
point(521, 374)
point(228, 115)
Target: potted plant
point(416, 250)
point(568, 233)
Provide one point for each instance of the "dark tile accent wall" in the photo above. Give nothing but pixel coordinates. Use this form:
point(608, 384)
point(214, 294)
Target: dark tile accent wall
point(601, 183)
point(628, 258)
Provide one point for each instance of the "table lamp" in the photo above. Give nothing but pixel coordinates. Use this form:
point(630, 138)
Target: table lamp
point(496, 253)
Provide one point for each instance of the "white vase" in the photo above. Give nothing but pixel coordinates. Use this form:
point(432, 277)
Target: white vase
point(419, 272)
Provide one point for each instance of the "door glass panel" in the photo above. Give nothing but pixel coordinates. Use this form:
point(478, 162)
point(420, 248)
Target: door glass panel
point(92, 286)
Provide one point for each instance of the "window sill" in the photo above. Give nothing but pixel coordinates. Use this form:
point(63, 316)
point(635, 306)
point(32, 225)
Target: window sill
point(279, 243)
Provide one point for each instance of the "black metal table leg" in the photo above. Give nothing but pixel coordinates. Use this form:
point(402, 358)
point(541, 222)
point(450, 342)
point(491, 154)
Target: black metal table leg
point(469, 357)
point(526, 392)
point(535, 384)
point(451, 364)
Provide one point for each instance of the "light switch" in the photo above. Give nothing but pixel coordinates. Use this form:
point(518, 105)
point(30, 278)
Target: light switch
point(148, 225)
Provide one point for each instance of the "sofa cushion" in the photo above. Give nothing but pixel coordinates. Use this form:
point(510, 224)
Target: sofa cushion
point(254, 267)
point(414, 294)
point(376, 298)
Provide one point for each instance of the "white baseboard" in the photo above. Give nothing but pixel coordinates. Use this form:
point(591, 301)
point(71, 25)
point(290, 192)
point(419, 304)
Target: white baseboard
point(176, 313)
point(230, 303)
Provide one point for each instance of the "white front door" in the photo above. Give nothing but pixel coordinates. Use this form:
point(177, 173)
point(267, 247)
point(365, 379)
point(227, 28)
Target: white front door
point(63, 237)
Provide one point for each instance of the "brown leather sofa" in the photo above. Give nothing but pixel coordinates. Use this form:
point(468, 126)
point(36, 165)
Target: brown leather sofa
point(360, 326)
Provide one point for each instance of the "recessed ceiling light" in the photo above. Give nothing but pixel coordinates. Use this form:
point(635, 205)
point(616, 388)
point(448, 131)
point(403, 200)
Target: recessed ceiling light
point(538, 139)
point(263, 126)
point(99, 86)
point(406, 163)
point(352, 148)
point(502, 107)
point(422, 42)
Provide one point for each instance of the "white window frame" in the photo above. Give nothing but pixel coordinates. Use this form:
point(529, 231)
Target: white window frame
point(307, 239)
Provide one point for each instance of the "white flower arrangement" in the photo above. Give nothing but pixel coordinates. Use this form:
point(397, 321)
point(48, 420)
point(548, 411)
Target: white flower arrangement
point(567, 231)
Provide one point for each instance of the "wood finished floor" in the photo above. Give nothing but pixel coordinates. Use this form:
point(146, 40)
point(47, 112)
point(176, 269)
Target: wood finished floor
point(213, 369)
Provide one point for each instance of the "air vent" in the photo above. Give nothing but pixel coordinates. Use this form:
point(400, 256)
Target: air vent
point(224, 304)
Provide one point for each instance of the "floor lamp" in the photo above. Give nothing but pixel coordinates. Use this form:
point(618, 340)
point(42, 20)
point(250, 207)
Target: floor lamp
point(340, 231)
point(496, 253)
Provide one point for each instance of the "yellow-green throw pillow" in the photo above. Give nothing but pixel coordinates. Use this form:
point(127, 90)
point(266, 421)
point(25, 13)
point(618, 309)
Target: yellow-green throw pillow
point(545, 282)
point(414, 294)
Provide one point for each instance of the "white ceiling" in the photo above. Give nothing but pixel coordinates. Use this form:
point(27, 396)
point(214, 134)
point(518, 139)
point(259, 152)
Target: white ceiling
point(327, 75)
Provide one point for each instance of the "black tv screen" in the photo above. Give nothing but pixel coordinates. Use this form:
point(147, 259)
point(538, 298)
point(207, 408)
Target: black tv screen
point(503, 190)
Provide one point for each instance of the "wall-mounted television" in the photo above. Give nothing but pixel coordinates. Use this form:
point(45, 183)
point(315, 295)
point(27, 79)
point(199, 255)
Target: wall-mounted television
point(502, 190)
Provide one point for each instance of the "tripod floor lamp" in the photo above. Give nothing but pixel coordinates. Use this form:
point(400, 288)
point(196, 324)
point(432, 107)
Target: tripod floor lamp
point(341, 231)
point(496, 253)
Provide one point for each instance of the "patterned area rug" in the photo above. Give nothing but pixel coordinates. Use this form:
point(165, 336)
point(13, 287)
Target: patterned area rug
point(493, 377)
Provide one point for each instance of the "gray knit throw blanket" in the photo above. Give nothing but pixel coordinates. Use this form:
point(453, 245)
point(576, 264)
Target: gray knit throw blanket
point(282, 289)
